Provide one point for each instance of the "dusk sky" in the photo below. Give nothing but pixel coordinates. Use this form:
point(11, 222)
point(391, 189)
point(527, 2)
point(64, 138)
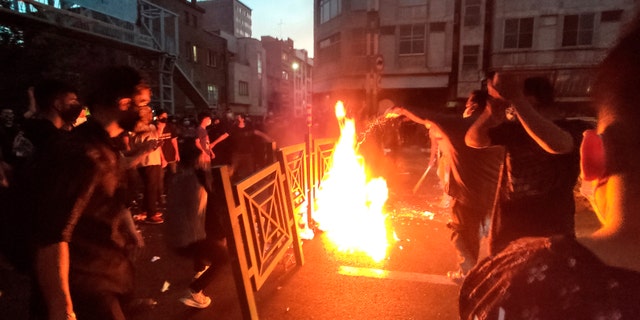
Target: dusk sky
point(283, 19)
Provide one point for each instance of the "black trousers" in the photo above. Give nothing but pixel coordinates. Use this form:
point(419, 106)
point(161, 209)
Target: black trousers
point(151, 180)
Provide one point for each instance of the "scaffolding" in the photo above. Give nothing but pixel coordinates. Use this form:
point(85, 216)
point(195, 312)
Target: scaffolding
point(154, 34)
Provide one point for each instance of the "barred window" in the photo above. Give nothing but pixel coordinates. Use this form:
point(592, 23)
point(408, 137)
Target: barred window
point(470, 57)
point(578, 30)
point(243, 88)
point(518, 33)
point(412, 39)
point(472, 13)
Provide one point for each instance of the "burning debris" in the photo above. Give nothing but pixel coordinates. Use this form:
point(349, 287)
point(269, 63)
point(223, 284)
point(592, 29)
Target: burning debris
point(350, 204)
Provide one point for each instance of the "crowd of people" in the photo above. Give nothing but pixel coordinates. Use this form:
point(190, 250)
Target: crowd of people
point(70, 182)
point(512, 159)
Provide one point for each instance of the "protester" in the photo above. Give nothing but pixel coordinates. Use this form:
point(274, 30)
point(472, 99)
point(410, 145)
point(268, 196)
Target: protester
point(596, 276)
point(57, 108)
point(80, 227)
point(242, 136)
point(202, 140)
point(473, 179)
point(194, 229)
point(150, 166)
point(542, 162)
point(169, 136)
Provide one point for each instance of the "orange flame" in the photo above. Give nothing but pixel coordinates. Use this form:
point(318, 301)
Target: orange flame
point(349, 204)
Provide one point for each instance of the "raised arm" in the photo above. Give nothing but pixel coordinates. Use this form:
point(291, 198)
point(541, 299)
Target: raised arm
point(404, 112)
point(219, 139)
point(262, 135)
point(547, 134)
point(478, 134)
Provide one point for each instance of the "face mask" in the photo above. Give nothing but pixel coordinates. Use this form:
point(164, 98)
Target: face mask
point(71, 113)
point(128, 119)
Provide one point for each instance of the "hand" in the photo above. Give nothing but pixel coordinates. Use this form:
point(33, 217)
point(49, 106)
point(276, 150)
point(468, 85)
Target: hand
point(497, 108)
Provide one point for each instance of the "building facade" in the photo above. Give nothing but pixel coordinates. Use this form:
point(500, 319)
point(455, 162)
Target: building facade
point(200, 70)
point(247, 78)
point(562, 40)
point(432, 54)
point(230, 16)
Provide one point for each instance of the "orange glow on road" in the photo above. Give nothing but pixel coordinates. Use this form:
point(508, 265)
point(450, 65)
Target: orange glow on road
point(350, 205)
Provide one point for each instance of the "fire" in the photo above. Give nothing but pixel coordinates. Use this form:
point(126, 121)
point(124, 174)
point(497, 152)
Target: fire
point(349, 204)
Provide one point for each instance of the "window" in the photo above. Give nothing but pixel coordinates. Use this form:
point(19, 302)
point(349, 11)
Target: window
point(329, 9)
point(611, 16)
point(470, 55)
point(578, 30)
point(211, 59)
point(472, 13)
point(329, 48)
point(192, 52)
point(212, 94)
point(186, 18)
point(412, 12)
point(412, 39)
point(518, 33)
point(243, 88)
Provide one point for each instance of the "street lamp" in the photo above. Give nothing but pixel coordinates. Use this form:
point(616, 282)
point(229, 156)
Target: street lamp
point(295, 66)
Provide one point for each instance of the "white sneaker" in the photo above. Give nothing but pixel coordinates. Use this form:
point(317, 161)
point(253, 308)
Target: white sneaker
point(196, 300)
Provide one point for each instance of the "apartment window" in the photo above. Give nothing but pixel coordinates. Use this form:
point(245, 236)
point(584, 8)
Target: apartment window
point(470, 57)
point(518, 33)
point(329, 48)
point(186, 18)
point(578, 30)
point(259, 64)
point(243, 88)
point(412, 38)
point(212, 60)
point(611, 16)
point(195, 21)
point(212, 94)
point(472, 13)
point(412, 12)
point(192, 52)
point(329, 9)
